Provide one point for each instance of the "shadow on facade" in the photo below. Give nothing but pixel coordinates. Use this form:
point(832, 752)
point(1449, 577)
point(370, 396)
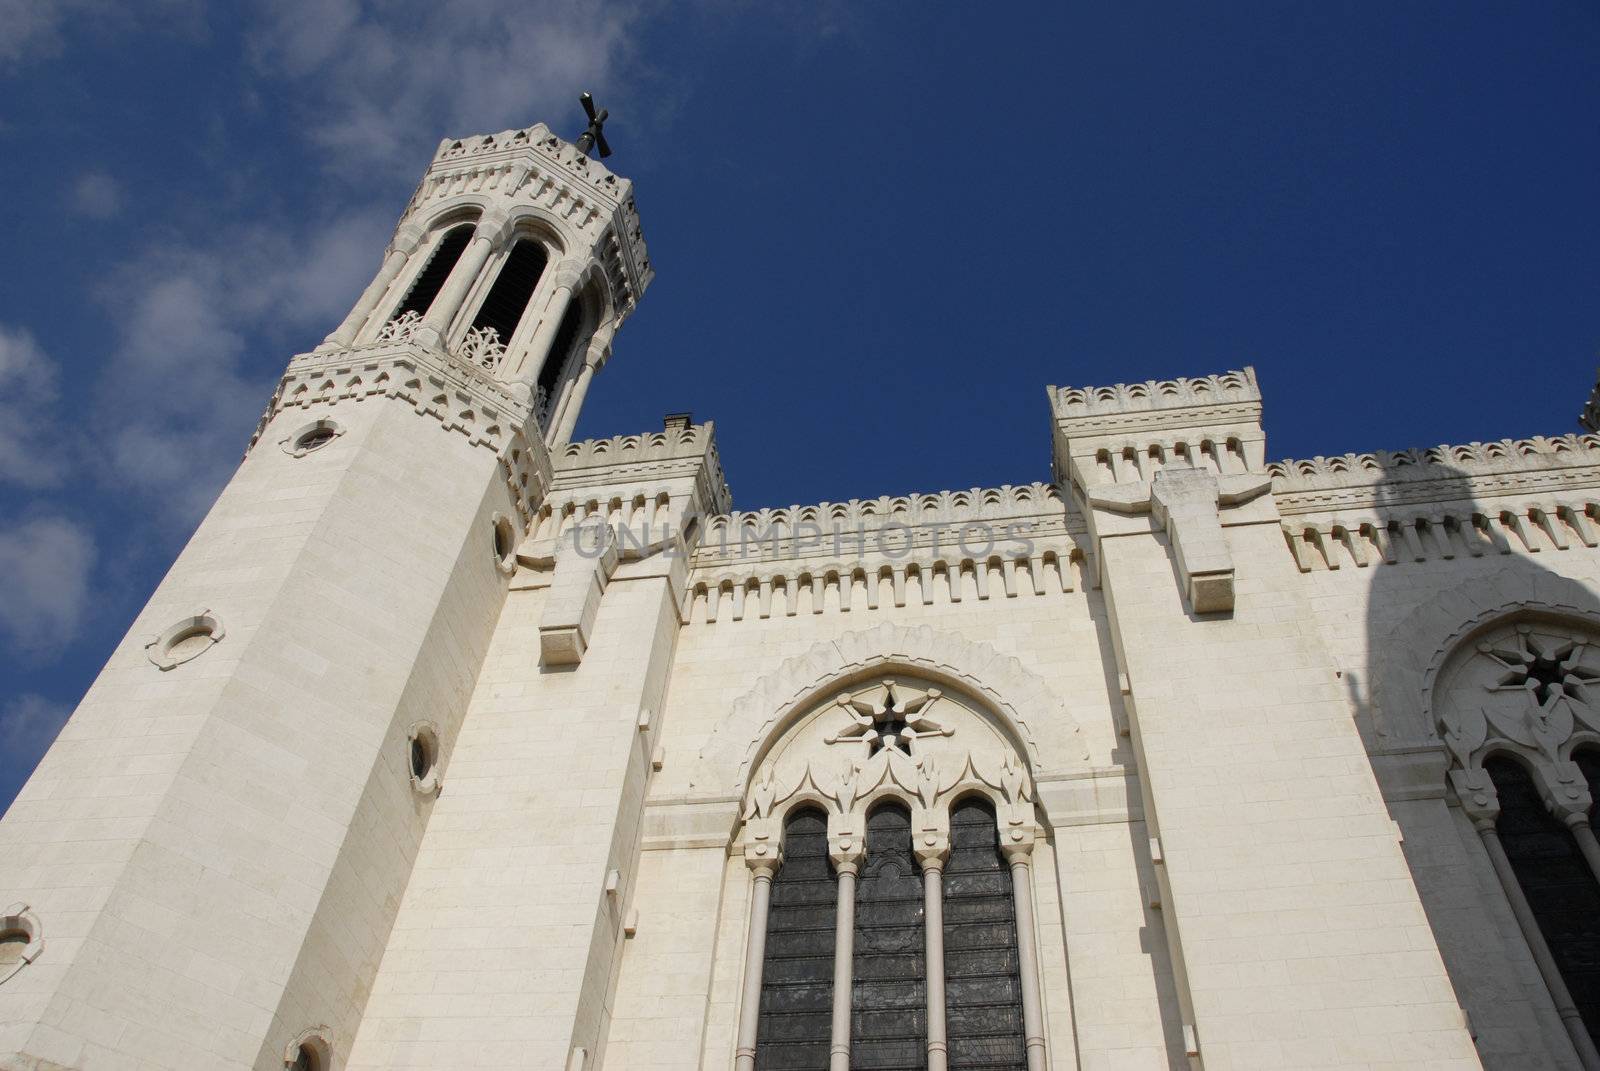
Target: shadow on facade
point(1473, 675)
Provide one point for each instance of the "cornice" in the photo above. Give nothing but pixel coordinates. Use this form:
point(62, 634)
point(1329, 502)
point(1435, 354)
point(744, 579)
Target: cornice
point(690, 451)
point(1207, 392)
point(462, 397)
point(1458, 475)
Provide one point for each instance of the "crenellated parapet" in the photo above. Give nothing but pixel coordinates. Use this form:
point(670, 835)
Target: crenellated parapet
point(1395, 473)
point(977, 544)
point(1168, 456)
point(1444, 502)
point(462, 397)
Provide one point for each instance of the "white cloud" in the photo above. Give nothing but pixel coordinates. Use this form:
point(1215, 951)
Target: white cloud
point(37, 29)
point(33, 451)
point(96, 195)
point(28, 725)
point(181, 395)
point(45, 565)
point(376, 92)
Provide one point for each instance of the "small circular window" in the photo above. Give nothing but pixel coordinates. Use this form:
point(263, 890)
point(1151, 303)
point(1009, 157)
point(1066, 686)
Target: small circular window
point(309, 1052)
point(316, 439)
point(422, 757)
point(505, 544)
point(313, 436)
point(183, 640)
point(13, 946)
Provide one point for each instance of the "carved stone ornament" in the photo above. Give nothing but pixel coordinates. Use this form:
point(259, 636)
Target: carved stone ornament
point(482, 347)
point(1185, 502)
point(402, 328)
point(1529, 684)
point(891, 737)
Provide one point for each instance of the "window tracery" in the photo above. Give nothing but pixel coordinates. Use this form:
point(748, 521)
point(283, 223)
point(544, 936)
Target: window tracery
point(897, 767)
point(1518, 714)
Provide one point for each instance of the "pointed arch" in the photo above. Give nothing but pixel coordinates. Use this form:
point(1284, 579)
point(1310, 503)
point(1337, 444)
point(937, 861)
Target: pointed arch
point(1408, 665)
point(1009, 692)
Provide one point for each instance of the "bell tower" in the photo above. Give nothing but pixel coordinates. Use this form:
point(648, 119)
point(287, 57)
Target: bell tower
point(518, 255)
point(209, 859)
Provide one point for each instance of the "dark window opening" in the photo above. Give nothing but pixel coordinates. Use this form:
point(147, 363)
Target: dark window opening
point(1557, 882)
point(794, 1031)
point(983, 980)
point(889, 1001)
point(431, 279)
point(513, 288)
point(560, 350)
point(419, 758)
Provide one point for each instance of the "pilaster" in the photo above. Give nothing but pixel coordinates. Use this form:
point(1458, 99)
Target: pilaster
point(1280, 871)
point(538, 831)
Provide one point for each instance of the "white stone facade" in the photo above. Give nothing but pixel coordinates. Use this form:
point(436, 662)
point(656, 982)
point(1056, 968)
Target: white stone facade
point(451, 743)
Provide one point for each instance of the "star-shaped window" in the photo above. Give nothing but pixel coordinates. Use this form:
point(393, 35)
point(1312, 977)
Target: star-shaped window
point(1543, 667)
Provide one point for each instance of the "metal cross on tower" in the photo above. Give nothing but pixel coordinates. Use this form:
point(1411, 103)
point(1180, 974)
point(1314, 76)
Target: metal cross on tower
point(595, 135)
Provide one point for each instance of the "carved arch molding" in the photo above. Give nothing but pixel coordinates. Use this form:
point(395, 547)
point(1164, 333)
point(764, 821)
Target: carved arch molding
point(1492, 670)
point(1415, 653)
point(1014, 697)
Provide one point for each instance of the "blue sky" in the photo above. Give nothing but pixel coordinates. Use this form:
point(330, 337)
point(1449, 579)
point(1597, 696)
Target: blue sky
point(880, 229)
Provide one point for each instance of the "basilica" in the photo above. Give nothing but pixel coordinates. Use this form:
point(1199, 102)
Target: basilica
point(451, 742)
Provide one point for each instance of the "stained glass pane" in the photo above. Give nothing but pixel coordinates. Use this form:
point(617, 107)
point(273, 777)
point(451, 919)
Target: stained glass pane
point(983, 986)
point(796, 1022)
point(889, 1017)
point(1557, 882)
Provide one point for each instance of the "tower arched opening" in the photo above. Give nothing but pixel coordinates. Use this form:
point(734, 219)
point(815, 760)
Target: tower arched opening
point(431, 279)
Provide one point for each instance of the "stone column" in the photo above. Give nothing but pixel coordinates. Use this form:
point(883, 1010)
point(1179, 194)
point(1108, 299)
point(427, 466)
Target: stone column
point(847, 842)
point(572, 405)
point(448, 302)
point(1483, 807)
point(405, 243)
point(1583, 833)
point(762, 856)
point(933, 849)
point(1566, 793)
point(1019, 854)
point(563, 283)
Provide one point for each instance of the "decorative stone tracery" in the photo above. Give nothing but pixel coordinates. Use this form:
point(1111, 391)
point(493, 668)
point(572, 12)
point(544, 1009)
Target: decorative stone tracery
point(1014, 696)
point(892, 737)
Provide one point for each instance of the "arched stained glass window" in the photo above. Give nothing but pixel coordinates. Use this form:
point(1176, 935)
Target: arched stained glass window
point(889, 1017)
point(513, 288)
point(795, 1027)
point(431, 279)
point(1556, 881)
point(983, 987)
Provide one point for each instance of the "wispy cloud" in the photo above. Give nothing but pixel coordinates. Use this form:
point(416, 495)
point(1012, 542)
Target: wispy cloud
point(375, 90)
point(32, 30)
point(180, 395)
point(45, 566)
point(32, 449)
point(28, 725)
point(96, 195)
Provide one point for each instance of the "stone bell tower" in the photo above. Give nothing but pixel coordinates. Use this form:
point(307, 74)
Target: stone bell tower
point(209, 860)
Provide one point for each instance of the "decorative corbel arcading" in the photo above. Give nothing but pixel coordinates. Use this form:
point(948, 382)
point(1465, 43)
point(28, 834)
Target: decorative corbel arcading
point(464, 399)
